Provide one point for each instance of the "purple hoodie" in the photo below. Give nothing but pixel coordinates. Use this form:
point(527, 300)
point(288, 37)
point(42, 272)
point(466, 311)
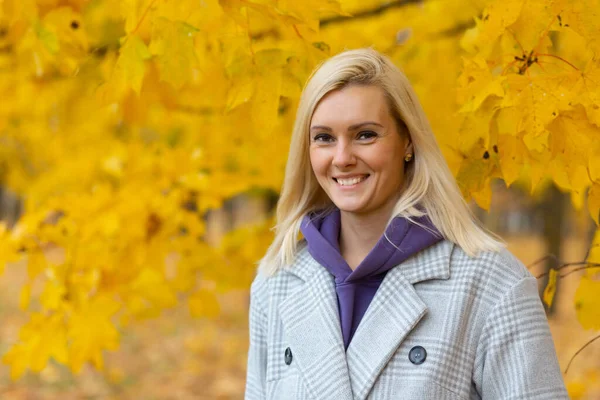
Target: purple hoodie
point(355, 289)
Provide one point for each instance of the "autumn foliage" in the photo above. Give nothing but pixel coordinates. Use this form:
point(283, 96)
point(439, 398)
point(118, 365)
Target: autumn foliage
point(123, 122)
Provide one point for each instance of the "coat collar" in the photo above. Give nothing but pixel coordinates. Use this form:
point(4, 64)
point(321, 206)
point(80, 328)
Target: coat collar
point(310, 319)
point(431, 263)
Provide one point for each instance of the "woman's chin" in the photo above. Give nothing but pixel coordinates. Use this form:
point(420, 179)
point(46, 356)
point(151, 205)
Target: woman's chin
point(351, 207)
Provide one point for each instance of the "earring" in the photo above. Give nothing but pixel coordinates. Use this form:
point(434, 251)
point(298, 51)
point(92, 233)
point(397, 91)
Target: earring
point(408, 157)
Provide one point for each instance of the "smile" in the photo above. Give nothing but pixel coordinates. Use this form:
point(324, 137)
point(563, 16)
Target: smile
point(350, 181)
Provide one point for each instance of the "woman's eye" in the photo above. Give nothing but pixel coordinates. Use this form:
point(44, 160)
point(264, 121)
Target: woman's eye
point(323, 137)
point(366, 135)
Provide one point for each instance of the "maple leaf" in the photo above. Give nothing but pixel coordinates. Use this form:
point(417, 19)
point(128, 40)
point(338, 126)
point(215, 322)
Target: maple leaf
point(90, 331)
point(173, 44)
point(476, 84)
point(587, 90)
point(132, 62)
point(587, 303)
point(41, 338)
point(512, 156)
point(497, 16)
point(582, 16)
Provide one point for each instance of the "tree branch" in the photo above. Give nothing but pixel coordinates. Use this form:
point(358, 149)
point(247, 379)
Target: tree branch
point(188, 109)
point(369, 13)
point(343, 18)
point(579, 351)
point(582, 265)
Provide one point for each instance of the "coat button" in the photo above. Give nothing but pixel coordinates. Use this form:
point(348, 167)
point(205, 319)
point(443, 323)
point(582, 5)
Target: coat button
point(288, 356)
point(417, 355)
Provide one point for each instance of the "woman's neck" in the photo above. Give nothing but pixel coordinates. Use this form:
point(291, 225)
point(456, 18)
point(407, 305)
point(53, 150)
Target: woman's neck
point(359, 234)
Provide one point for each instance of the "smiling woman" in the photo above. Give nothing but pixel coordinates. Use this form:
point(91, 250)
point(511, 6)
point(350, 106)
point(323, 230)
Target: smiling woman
point(395, 291)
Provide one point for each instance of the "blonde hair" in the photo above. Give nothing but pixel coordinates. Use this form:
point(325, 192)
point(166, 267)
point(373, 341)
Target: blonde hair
point(429, 188)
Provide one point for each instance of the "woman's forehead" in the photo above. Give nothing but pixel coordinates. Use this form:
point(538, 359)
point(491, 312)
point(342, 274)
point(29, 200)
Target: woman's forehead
point(352, 105)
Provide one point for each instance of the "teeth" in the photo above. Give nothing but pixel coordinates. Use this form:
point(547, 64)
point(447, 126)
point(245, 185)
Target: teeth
point(352, 181)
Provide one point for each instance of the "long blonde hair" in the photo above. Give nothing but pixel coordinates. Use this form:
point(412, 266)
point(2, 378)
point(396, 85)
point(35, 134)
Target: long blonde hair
point(429, 188)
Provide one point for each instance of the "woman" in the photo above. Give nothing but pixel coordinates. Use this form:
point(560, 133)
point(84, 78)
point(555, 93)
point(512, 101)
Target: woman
point(395, 292)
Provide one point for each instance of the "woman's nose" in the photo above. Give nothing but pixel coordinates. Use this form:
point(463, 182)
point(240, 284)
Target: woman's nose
point(344, 155)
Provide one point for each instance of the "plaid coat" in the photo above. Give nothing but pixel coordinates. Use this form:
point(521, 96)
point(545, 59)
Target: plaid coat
point(479, 320)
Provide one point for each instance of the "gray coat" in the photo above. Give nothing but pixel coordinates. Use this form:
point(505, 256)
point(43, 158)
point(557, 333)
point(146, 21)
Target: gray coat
point(479, 320)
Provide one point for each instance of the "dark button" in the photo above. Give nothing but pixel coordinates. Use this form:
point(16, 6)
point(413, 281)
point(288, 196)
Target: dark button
point(417, 355)
point(288, 356)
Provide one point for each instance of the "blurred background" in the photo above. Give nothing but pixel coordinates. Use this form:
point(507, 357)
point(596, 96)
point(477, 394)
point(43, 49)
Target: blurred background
point(143, 144)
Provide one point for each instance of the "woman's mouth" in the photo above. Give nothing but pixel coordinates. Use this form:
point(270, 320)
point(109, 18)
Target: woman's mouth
point(351, 181)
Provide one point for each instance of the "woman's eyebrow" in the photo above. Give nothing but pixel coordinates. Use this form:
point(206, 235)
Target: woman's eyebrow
point(350, 128)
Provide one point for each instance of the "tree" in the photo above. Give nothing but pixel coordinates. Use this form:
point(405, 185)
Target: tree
point(124, 122)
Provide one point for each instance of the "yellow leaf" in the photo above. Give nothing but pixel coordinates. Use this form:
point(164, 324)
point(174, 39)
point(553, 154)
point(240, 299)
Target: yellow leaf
point(474, 131)
point(581, 16)
point(587, 303)
point(538, 168)
point(131, 62)
point(558, 172)
point(538, 100)
point(173, 44)
point(265, 103)
point(512, 155)
point(242, 83)
point(204, 303)
point(550, 289)
point(41, 338)
point(536, 140)
point(17, 357)
point(135, 13)
point(52, 296)
point(53, 343)
point(531, 25)
point(594, 202)
point(483, 197)
point(476, 169)
point(496, 17)
point(476, 84)
point(572, 137)
point(25, 297)
point(151, 285)
point(91, 331)
point(588, 89)
point(293, 78)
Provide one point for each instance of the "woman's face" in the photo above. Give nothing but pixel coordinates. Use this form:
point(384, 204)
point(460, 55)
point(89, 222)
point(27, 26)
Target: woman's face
point(356, 151)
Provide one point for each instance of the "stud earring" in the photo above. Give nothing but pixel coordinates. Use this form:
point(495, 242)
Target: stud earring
point(408, 157)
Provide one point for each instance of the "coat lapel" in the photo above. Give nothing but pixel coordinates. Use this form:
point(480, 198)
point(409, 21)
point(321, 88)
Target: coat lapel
point(311, 323)
point(310, 318)
point(394, 311)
